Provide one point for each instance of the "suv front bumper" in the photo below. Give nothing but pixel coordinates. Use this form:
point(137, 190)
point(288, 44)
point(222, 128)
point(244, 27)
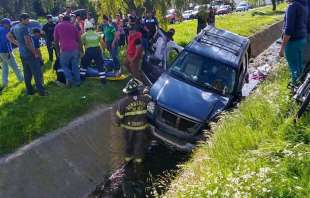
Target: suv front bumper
point(171, 141)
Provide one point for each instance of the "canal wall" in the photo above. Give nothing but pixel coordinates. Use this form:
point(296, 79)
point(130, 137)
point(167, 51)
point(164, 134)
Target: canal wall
point(70, 162)
point(67, 163)
point(263, 39)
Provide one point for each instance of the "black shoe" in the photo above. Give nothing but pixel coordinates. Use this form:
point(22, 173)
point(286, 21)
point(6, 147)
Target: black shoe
point(103, 81)
point(43, 94)
point(30, 93)
point(68, 84)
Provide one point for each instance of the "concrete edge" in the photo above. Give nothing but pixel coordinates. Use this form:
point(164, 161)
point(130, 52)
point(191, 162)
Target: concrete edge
point(54, 134)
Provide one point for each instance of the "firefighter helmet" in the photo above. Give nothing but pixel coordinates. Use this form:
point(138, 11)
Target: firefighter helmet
point(132, 86)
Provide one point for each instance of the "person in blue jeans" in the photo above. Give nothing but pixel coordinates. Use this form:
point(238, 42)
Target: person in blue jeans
point(295, 37)
point(6, 56)
point(29, 55)
point(67, 39)
point(36, 36)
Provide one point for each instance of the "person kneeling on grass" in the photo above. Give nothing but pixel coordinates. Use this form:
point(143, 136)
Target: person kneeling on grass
point(92, 42)
point(6, 56)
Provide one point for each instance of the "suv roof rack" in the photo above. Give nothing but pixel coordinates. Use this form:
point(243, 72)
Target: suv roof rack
point(203, 38)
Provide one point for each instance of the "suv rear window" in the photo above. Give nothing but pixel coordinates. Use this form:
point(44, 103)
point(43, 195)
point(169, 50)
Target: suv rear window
point(204, 72)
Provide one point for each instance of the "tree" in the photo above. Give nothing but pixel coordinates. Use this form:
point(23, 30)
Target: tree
point(111, 7)
point(274, 5)
point(38, 8)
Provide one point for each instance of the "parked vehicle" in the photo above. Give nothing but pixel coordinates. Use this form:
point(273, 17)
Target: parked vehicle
point(171, 16)
point(243, 6)
point(204, 80)
point(198, 8)
point(188, 14)
point(32, 25)
point(81, 12)
point(224, 9)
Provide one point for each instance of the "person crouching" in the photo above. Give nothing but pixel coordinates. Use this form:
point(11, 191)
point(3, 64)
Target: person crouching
point(93, 45)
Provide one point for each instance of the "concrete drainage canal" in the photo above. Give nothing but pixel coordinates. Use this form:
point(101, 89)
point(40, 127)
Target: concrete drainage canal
point(152, 178)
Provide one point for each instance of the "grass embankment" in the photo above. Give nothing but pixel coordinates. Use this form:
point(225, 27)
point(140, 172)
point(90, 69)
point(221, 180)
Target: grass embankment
point(243, 23)
point(255, 151)
point(24, 118)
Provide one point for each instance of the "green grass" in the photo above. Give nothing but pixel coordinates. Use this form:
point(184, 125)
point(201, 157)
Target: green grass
point(255, 151)
point(243, 23)
point(23, 118)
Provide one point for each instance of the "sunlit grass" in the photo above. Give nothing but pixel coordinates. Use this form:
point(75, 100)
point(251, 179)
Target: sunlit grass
point(242, 23)
point(23, 118)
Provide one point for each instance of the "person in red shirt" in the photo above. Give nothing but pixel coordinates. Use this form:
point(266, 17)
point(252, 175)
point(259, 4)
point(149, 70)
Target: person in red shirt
point(134, 53)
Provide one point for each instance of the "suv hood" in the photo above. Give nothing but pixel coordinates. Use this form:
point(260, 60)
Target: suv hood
point(187, 100)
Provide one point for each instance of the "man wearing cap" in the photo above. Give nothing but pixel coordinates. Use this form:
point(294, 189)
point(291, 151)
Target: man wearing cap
point(6, 56)
point(68, 39)
point(131, 115)
point(150, 27)
point(48, 29)
point(29, 55)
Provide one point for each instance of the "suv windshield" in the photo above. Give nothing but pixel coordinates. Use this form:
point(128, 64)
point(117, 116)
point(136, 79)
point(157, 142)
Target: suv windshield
point(204, 72)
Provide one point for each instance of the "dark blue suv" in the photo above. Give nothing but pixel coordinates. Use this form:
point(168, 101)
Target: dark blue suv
point(205, 79)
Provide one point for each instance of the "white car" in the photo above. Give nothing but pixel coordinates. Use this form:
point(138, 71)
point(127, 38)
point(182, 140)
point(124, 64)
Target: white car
point(187, 14)
point(243, 6)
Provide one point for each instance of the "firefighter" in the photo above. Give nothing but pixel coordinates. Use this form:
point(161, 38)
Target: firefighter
point(131, 116)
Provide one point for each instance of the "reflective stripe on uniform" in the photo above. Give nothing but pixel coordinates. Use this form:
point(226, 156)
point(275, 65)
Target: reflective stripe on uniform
point(102, 77)
point(60, 70)
point(83, 73)
point(102, 73)
point(138, 160)
point(134, 113)
point(82, 69)
point(119, 115)
point(140, 128)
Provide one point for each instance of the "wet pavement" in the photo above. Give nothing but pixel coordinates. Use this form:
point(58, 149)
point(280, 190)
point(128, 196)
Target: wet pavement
point(152, 178)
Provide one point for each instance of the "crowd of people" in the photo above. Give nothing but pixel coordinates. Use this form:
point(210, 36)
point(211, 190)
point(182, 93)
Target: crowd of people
point(77, 42)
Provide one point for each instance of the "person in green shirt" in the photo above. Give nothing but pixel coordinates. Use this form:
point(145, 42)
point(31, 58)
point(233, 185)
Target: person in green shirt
point(111, 39)
point(93, 45)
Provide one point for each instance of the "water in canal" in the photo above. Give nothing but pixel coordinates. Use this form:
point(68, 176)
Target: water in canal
point(146, 180)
